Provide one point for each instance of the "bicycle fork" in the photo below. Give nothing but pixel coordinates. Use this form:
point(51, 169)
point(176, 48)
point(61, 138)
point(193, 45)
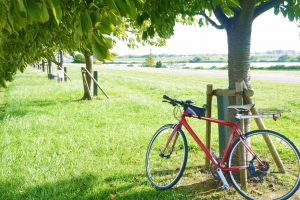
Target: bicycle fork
point(176, 133)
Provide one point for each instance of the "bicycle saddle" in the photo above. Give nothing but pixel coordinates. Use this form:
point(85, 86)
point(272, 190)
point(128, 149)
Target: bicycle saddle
point(245, 107)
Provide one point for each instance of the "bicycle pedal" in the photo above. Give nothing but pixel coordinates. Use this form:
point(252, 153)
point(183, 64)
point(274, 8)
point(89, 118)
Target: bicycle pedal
point(225, 185)
point(226, 188)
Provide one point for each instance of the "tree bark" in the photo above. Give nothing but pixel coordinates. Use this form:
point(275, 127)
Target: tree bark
point(43, 65)
point(239, 30)
point(61, 59)
point(239, 55)
point(89, 67)
point(49, 67)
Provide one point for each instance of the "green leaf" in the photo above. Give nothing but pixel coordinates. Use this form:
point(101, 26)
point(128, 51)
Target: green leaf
point(106, 27)
point(132, 8)
point(86, 22)
point(44, 13)
point(56, 9)
point(16, 19)
point(33, 10)
point(2, 81)
point(297, 10)
point(123, 7)
point(99, 48)
point(235, 3)
point(276, 10)
point(77, 31)
point(291, 15)
point(112, 5)
point(21, 6)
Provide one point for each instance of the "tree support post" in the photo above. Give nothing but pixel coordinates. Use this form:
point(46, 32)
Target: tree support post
point(209, 95)
point(65, 74)
point(91, 76)
point(95, 88)
point(239, 87)
point(85, 84)
point(261, 126)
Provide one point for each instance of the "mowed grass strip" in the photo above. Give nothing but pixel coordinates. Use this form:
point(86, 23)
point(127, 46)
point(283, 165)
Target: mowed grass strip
point(54, 146)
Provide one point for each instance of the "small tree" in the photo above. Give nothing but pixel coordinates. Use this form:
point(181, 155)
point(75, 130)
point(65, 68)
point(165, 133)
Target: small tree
point(159, 64)
point(78, 58)
point(285, 58)
point(196, 59)
point(150, 60)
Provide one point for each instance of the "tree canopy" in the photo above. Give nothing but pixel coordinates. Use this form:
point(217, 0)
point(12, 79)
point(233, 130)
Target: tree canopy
point(31, 30)
point(161, 15)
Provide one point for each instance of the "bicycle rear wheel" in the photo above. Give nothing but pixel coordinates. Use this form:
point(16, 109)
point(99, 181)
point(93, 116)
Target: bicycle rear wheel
point(165, 166)
point(267, 180)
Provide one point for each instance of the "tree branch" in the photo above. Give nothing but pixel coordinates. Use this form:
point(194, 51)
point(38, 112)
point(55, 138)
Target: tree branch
point(265, 6)
point(220, 15)
point(55, 62)
point(212, 22)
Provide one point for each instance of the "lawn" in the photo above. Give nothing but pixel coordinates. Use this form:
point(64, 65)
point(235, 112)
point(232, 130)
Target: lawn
point(54, 146)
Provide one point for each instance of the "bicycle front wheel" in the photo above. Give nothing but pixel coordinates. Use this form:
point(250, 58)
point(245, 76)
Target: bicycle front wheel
point(264, 176)
point(165, 164)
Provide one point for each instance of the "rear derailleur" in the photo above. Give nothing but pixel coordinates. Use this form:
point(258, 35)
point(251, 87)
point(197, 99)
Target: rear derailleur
point(261, 172)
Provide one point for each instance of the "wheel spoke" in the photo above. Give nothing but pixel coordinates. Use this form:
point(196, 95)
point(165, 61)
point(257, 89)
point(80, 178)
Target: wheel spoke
point(268, 181)
point(163, 171)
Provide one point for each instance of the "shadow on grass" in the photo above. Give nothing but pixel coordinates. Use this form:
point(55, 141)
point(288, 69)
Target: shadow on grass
point(33, 106)
point(88, 186)
point(75, 188)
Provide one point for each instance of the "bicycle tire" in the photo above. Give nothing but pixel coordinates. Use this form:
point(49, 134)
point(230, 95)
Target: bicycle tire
point(153, 152)
point(278, 183)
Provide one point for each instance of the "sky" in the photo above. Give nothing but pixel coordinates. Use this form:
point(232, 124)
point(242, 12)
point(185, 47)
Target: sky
point(269, 32)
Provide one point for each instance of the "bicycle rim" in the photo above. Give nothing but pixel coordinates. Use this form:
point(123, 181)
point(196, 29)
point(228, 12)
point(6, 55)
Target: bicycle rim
point(270, 182)
point(162, 171)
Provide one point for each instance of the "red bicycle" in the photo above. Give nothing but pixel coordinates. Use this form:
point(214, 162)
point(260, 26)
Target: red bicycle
point(167, 155)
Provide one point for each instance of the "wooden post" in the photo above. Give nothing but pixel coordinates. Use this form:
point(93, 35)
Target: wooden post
point(95, 88)
point(261, 126)
point(65, 74)
point(95, 81)
point(239, 86)
point(85, 84)
point(209, 95)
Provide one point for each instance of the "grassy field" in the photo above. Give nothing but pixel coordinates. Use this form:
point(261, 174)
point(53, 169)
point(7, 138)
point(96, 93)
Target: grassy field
point(54, 146)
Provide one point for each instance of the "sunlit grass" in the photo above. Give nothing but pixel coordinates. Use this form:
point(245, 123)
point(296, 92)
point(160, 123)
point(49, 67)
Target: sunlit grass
point(54, 146)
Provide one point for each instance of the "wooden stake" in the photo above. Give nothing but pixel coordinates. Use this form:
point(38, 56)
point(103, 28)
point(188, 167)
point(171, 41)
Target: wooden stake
point(261, 126)
point(209, 95)
point(239, 86)
point(85, 84)
point(83, 68)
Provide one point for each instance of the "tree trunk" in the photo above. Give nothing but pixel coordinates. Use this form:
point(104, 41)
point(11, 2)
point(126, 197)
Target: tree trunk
point(61, 59)
point(89, 67)
point(239, 55)
point(49, 67)
point(43, 65)
point(239, 39)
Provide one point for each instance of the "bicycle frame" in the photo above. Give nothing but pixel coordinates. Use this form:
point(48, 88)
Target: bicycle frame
point(234, 134)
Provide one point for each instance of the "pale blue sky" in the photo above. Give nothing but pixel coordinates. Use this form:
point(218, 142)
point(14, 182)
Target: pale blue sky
point(269, 32)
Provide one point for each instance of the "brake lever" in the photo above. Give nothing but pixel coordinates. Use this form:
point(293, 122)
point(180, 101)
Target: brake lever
point(189, 102)
point(170, 102)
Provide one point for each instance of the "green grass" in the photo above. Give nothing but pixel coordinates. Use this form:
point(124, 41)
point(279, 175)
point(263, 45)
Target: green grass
point(54, 146)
